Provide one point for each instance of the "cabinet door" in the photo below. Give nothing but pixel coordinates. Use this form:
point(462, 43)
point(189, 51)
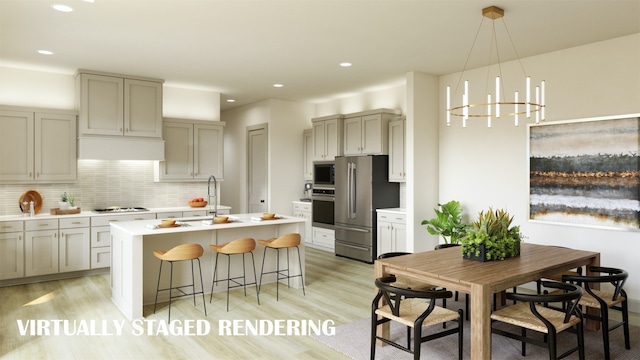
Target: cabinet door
point(178, 152)
point(353, 136)
point(55, 147)
point(319, 142)
point(142, 108)
point(16, 145)
point(208, 151)
point(396, 151)
point(101, 105)
point(399, 236)
point(385, 240)
point(11, 255)
point(41, 252)
point(307, 151)
point(74, 249)
point(333, 139)
point(372, 141)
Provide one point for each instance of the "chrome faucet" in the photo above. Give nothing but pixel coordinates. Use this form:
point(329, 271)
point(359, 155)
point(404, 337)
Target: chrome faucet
point(215, 194)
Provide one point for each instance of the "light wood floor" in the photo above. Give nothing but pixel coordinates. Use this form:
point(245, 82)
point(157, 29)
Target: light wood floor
point(337, 289)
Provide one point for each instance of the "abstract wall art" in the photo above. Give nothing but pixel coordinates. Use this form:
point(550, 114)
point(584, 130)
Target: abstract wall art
point(586, 172)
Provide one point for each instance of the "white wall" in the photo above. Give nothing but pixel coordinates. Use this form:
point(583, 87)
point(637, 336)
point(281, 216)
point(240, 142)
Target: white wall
point(286, 120)
point(392, 97)
point(484, 167)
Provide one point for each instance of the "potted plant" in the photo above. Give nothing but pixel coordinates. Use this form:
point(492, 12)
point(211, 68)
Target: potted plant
point(72, 202)
point(64, 201)
point(448, 223)
point(491, 237)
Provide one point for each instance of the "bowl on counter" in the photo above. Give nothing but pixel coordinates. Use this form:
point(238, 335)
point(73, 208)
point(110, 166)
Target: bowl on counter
point(267, 216)
point(197, 204)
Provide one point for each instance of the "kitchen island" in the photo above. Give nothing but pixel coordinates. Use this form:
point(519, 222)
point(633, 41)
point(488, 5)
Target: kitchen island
point(134, 269)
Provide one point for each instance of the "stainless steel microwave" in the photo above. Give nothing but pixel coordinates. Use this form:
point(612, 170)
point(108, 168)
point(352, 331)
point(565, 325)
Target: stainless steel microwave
point(324, 173)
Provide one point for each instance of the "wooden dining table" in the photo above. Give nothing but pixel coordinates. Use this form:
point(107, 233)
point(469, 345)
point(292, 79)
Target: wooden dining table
point(447, 268)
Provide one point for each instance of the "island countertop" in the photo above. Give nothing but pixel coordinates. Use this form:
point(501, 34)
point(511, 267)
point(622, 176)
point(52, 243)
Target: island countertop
point(150, 227)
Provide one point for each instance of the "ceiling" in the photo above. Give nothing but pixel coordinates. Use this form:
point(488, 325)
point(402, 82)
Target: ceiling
point(240, 48)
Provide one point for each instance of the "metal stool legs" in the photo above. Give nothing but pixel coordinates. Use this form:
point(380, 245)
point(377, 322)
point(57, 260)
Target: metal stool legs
point(230, 279)
point(179, 288)
point(280, 273)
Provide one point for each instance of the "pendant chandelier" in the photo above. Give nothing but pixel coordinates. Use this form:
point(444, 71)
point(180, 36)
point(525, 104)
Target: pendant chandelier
point(496, 106)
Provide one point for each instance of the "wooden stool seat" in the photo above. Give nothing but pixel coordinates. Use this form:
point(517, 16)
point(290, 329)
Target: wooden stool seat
point(239, 246)
point(181, 252)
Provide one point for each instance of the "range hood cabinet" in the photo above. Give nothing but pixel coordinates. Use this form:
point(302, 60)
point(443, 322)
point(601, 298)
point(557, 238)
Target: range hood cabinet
point(114, 148)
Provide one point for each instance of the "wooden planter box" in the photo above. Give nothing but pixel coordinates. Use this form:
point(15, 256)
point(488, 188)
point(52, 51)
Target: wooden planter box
point(483, 254)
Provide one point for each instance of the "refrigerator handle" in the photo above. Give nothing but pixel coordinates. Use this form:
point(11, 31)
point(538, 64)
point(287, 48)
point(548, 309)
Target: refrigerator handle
point(352, 192)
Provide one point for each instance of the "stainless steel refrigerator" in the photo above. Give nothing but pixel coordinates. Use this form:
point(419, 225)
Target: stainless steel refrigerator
point(361, 186)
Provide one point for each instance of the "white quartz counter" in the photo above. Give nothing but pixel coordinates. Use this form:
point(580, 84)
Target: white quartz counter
point(150, 227)
point(44, 215)
point(393, 210)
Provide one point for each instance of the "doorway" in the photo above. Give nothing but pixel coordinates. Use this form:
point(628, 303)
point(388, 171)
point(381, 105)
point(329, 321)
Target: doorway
point(257, 169)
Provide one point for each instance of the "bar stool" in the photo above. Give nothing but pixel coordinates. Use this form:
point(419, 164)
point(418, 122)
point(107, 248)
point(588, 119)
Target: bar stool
point(283, 242)
point(180, 253)
point(240, 246)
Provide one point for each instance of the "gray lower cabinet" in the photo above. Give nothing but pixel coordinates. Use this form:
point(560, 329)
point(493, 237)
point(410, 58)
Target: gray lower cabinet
point(11, 250)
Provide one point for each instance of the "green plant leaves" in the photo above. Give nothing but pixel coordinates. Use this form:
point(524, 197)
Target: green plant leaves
point(448, 222)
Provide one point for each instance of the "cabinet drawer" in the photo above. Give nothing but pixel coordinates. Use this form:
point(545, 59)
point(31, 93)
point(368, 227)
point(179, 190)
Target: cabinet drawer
point(302, 207)
point(48, 224)
point(11, 226)
point(100, 257)
point(392, 217)
point(75, 223)
point(169, 215)
point(105, 220)
point(192, 213)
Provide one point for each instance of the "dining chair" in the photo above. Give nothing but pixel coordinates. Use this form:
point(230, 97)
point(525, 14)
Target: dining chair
point(529, 314)
point(613, 297)
point(407, 283)
point(415, 309)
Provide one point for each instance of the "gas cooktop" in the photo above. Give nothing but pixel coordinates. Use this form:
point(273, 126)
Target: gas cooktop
point(117, 209)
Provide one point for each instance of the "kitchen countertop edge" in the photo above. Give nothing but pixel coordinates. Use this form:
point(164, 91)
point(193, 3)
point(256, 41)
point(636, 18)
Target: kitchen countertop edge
point(44, 216)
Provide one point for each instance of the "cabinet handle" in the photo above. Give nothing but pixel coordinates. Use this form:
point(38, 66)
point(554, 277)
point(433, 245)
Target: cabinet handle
point(139, 219)
point(62, 234)
point(126, 130)
point(6, 227)
point(43, 224)
point(76, 222)
point(120, 129)
point(55, 235)
point(19, 237)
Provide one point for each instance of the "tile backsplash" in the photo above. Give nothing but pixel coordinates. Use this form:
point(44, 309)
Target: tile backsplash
point(103, 183)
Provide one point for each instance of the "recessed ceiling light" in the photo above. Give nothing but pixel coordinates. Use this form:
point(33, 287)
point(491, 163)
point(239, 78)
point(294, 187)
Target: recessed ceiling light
point(345, 64)
point(63, 8)
point(278, 85)
point(45, 52)
point(231, 100)
point(88, 1)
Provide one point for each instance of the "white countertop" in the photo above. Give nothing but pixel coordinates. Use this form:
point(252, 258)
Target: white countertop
point(44, 215)
point(393, 210)
point(149, 227)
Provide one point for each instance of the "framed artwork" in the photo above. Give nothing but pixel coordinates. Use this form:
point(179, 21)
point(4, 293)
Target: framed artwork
point(586, 172)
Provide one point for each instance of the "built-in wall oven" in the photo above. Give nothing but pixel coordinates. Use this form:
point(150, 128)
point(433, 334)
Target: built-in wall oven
point(323, 204)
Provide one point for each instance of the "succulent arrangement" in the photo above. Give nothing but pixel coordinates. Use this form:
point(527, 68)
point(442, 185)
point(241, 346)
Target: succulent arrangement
point(491, 237)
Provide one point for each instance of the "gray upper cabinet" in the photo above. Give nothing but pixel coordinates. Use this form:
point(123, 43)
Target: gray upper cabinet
point(193, 150)
point(366, 133)
point(37, 145)
point(119, 105)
